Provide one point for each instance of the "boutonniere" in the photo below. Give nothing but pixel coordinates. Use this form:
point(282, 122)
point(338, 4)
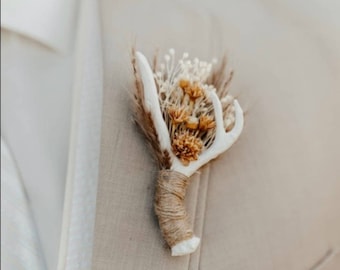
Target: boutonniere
point(188, 117)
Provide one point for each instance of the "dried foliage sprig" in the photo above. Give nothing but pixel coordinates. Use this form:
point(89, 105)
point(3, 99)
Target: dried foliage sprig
point(188, 118)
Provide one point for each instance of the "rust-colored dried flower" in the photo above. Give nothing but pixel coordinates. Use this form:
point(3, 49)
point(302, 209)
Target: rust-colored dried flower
point(206, 122)
point(177, 115)
point(186, 147)
point(183, 83)
point(194, 91)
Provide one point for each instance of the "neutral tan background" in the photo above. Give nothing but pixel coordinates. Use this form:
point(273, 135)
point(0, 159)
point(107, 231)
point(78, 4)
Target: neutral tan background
point(273, 200)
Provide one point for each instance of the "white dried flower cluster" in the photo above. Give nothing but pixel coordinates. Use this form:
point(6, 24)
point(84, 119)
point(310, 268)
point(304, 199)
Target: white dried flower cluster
point(171, 73)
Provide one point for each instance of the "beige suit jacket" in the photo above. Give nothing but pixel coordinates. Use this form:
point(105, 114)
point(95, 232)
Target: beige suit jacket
point(273, 200)
point(270, 202)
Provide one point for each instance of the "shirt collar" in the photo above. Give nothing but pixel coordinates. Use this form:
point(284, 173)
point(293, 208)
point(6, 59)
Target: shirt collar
point(51, 22)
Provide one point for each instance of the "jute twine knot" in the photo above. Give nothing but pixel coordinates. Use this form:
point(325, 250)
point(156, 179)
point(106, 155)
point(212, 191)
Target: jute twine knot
point(169, 207)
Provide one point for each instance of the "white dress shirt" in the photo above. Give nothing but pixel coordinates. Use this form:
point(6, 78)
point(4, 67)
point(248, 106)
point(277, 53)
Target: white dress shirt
point(51, 111)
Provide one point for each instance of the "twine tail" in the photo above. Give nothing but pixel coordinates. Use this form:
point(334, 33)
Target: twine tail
point(172, 216)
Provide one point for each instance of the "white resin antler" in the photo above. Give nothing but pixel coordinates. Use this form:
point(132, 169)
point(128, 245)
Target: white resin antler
point(152, 103)
point(223, 140)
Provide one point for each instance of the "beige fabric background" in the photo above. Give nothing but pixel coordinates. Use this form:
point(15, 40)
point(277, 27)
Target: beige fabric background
point(273, 200)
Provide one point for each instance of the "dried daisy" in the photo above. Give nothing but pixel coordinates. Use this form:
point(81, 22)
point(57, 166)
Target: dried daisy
point(177, 115)
point(194, 91)
point(184, 110)
point(186, 147)
point(206, 122)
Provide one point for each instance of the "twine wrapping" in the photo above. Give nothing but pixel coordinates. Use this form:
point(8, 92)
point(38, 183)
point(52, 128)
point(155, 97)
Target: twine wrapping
point(169, 207)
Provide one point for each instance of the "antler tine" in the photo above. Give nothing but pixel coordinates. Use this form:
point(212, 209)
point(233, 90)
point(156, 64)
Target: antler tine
point(223, 141)
point(239, 123)
point(152, 102)
point(220, 132)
